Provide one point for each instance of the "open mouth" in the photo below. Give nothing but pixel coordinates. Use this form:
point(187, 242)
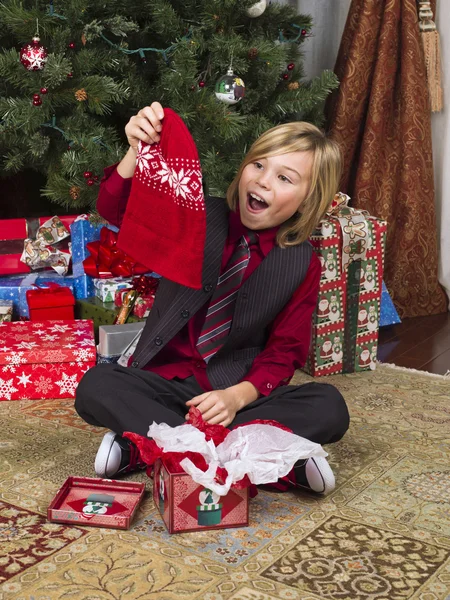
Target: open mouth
point(256, 203)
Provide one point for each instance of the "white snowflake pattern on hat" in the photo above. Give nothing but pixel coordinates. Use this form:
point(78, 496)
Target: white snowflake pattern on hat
point(183, 181)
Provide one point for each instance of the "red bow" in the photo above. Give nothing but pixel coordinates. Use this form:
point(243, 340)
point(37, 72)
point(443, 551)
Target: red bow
point(145, 285)
point(107, 260)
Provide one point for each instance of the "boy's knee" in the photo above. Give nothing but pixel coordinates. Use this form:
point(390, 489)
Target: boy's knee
point(91, 384)
point(335, 411)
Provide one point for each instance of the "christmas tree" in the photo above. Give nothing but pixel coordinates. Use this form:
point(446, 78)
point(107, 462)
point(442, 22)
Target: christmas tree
point(72, 72)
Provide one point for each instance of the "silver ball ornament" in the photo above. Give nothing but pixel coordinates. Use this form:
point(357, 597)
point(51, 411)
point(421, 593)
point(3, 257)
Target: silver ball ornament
point(229, 89)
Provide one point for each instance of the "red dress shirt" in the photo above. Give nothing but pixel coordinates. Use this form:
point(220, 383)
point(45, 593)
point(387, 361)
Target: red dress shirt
point(290, 332)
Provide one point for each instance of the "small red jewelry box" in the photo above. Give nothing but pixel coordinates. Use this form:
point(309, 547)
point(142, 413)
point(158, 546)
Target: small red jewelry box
point(96, 502)
point(187, 506)
point(52, 302)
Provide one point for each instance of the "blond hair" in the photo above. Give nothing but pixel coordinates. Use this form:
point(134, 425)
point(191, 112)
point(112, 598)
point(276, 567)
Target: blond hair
point(298, 136)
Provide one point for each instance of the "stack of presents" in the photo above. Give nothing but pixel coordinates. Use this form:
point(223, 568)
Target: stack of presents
point(69, 298)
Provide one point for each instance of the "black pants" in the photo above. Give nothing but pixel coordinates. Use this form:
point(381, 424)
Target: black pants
point(125, 399)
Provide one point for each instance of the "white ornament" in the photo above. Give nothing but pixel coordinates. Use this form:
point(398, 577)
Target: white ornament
point(257, 9)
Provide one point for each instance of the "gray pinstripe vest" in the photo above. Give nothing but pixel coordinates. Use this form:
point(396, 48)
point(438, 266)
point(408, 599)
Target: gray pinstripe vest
point(261, 297)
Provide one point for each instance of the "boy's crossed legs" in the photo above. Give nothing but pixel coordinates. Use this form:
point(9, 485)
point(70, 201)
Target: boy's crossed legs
point(124, 399)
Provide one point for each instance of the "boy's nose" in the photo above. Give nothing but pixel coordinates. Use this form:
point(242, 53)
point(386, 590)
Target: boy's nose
point(263, 181)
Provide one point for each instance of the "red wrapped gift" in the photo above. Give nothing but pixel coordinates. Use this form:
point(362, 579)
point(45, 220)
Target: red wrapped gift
point(13, 232)
point(52, 302)
point(44, 359)
point(96, 502)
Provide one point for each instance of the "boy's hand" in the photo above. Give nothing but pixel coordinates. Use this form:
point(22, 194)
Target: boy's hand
point(220, 406)
point(145, 126)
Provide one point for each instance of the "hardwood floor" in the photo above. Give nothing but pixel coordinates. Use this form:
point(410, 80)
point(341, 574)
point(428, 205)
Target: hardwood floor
point(421, 343)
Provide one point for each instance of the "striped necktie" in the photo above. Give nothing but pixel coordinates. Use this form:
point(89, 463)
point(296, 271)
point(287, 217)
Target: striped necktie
point(221, 307)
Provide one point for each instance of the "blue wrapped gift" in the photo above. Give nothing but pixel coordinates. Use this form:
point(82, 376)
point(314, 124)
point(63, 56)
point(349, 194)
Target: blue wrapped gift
point(388, 312)
point(15, 288)
point(83, 232)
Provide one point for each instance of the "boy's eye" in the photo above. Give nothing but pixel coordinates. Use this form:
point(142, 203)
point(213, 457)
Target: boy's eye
point(284, 178)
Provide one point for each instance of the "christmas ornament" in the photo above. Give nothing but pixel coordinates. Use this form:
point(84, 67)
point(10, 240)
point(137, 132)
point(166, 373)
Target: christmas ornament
point(90, 182)
point(87, 174)
point(74, 192)
point(304, 32)
point(294, 85)
point(44, 90)
point(257, 9)
point(290, 66)
point(253, 53)
point(81, 95)
point(33, 56)
point(201, 84)
point(69, 75)
point(229, 88)
point(37, 100)
point(285, 76)
point(72, 45)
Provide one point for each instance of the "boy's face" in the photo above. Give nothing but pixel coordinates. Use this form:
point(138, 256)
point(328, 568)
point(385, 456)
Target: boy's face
point(272, 189)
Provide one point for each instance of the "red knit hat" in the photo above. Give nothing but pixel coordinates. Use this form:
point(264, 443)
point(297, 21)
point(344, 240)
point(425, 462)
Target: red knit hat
point(164, 226)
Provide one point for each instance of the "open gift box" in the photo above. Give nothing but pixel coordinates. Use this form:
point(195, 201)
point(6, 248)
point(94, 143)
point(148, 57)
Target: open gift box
point(203, 475)
point(187, 506)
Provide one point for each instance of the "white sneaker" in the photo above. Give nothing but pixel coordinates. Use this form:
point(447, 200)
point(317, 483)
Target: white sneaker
point(314, 474)
point(116, 456)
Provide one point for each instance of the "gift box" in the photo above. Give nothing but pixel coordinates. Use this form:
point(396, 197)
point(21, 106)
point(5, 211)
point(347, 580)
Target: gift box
point(52, 302)
point(204, 474)
point(105, 289)
point(185, 505)
point(6, 311)
point(101, 313)
point(15, 289)
point(350, 245)
point(14, 232)
point(388, 312)
point(114, 339)
point(84, 230)
point(96, 502)
point(44, 359)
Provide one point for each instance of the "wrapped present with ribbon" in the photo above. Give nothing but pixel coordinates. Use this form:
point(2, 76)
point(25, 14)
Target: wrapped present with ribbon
point(106, 260)
point(17, 236)
point(85, 229)
point(139, 298)
point(202, 474)
point(15, 289)
point(52, 301)
point(350, 245)
point(105, 289)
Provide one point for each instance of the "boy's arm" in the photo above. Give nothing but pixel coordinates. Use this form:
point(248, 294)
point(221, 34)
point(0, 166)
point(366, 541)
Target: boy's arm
point(116, 183)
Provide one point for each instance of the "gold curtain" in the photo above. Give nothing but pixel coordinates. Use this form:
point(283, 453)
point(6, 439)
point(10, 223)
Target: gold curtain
point(381, 116)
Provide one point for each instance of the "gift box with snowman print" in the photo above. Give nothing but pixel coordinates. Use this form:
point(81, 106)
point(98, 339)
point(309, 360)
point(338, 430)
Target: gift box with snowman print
point(350, 245)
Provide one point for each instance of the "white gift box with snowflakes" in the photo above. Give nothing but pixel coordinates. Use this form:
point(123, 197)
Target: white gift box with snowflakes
point(44, 359)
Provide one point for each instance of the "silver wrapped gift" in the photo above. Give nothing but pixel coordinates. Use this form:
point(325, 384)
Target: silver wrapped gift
point(114, 339)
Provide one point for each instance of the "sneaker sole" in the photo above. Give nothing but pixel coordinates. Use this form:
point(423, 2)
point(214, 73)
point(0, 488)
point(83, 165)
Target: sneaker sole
point(103, 453)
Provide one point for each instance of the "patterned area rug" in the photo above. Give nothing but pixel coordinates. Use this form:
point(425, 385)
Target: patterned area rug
point(383, 534)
